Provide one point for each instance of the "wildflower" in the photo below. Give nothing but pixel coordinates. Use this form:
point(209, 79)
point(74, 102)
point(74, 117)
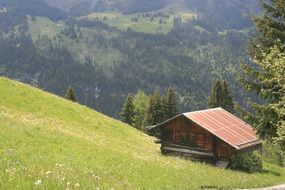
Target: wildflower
point(59, 165)
point(77, 185)
point(68, 183)
point(38, 182)
point(48, 172)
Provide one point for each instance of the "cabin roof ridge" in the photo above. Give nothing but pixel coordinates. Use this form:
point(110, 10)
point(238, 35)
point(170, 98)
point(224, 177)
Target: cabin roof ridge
point(209, 109)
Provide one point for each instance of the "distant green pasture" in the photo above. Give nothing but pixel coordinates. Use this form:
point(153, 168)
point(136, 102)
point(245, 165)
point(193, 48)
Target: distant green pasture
point(144, 24)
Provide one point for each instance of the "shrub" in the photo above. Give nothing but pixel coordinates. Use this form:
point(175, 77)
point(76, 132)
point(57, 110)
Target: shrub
point(271, 153)
point(248, 162)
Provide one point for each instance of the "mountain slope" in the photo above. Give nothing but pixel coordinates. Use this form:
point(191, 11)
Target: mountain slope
point(223, 14)
point(50, 143)
point(40, 45)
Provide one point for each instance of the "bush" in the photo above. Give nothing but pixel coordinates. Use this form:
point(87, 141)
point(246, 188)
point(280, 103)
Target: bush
point(271, 153)
point(248, 162)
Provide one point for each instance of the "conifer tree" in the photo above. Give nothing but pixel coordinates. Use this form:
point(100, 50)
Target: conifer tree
point(271, 26)
point(216, 97)
point(274, 62)
point(170, 104)
point(70, 94)
point(155, 113)
point(221, 96)
point(127, 113)
point(228, 100)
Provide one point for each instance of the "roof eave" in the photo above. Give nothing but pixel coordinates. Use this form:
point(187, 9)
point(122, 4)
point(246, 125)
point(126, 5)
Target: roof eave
point(249, 144)
point(150, 128)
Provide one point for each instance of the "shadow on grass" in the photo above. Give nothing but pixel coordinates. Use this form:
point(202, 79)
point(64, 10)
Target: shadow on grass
point(212, 187)
point(270, 172)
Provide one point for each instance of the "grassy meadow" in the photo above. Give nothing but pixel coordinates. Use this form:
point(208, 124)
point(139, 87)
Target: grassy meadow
point(144, 24)
point(48, 142)
point(48, 30)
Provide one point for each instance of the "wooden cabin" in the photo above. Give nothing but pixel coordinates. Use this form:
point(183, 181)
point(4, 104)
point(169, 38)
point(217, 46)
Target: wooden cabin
point(211, 135)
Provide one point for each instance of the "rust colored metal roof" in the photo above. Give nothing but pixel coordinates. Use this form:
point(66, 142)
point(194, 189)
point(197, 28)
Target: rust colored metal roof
point(225, 126)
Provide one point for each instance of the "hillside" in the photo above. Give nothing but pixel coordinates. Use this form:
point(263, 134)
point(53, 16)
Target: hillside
point(50, 143)
point(104, 63)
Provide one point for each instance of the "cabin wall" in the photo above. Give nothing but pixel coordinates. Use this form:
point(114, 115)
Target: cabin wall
point(182, 131)
point(224, 150)
point(201, 138)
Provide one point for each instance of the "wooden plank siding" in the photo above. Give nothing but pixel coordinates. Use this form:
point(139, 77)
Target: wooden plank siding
point(182, 131)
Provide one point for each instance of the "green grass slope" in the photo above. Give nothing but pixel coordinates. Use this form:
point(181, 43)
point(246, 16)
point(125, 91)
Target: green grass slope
point(50, 143)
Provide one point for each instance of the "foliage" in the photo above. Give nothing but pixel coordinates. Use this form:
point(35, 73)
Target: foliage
point(221, 96)
point(170, 103)
point(271, 25)
point(144, 6)
point(216, 98)
point(249, 162)
point(150, 110)
point(66, 145)
point(274, 63)
point(225, 14)
point(280, 141)
point(271, 79)
point(141, 103)
point(260, 77)
point(155, 112)
point(228, 102)
point(105, 64)
point(128, 111)
point(271, 153)
point(145, 23)
point(70, 94)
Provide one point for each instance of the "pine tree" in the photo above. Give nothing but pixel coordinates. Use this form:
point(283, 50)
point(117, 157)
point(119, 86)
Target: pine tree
point(221, 96)
point(127, 113)
point(271, 24)
point(216, 97)
point(170, 104)
point(228, 100)
point(255, 78)
point(70, 94)
point(155, 113)
point(274, 62)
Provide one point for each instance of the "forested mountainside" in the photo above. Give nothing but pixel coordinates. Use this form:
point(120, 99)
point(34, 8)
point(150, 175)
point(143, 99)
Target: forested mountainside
point(223, 14)
point(43, 43)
